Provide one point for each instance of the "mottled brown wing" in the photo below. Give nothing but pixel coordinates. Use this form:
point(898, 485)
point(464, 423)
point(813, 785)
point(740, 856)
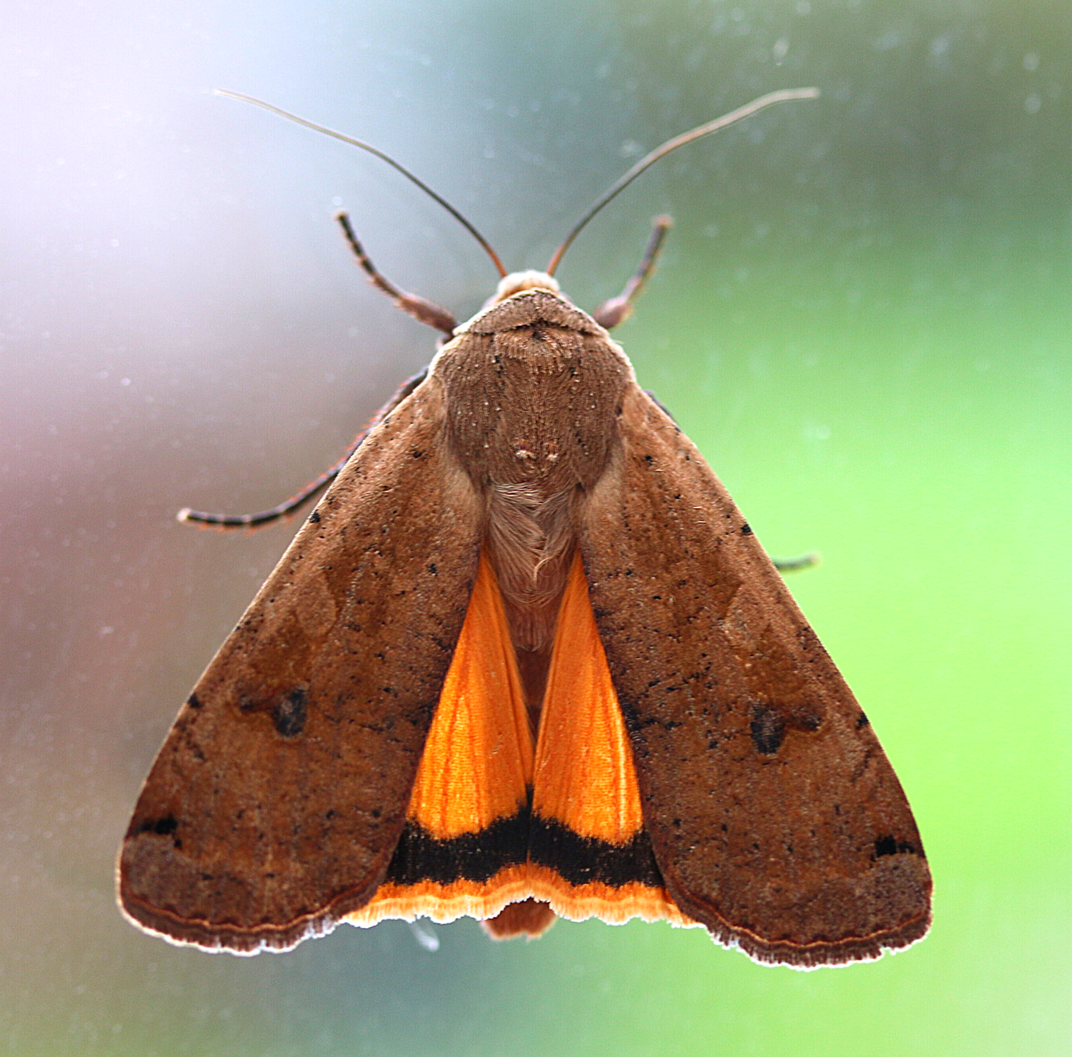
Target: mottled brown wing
point(278, 797)
point(775, 816)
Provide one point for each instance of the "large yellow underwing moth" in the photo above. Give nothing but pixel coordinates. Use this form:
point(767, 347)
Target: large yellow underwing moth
point(525, 659)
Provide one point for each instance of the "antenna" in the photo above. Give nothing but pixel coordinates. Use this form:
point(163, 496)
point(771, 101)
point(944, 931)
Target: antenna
point(649, 160)
point(383, 157)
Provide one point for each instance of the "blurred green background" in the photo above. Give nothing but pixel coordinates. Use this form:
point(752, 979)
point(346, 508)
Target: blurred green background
point(863, 318)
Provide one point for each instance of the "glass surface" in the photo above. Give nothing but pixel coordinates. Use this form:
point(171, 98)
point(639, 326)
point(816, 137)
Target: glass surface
point(862, 318)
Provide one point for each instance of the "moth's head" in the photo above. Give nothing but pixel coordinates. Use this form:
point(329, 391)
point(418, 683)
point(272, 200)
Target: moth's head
point(518, 282)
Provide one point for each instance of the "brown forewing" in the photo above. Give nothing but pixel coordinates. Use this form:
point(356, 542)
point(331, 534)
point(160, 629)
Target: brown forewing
point(775, 816)
point(275, 803)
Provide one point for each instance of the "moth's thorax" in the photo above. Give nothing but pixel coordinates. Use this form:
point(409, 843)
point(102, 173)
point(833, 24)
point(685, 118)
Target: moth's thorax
point(534, 388)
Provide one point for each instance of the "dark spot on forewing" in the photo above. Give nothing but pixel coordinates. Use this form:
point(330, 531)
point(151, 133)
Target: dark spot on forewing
point(288, 713)
point(770, 723)
point(163, 826)
point(890, 845)
point(768, 729)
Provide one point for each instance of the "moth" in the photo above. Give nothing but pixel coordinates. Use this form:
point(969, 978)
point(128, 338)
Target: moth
point(526, 658)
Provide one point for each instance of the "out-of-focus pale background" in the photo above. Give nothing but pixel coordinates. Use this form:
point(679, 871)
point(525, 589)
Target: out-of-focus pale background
point(863, 318)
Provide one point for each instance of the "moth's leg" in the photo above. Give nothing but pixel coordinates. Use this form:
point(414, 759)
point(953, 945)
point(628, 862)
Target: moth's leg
point(265, 517)
point(801, 561)
point(423, 310)
point(299, 499)
point(612, 312)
